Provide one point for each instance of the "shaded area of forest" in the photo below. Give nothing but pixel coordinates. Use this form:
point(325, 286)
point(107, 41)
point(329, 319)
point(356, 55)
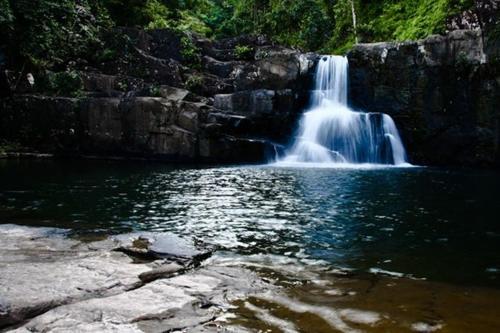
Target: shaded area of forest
point(49, 33)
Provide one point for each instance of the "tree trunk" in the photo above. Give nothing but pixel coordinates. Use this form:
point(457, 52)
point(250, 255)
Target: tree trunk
point(354, 25)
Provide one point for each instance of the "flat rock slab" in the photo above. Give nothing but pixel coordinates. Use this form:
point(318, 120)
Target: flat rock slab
point(52, 283)
point(41, 269)
point(152, 245)
point(187, 301)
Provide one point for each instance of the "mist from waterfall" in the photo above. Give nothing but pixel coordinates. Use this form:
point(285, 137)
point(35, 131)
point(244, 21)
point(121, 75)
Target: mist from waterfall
point(330, 133)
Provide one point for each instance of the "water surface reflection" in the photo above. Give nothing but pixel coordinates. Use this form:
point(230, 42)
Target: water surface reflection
point(432, 223)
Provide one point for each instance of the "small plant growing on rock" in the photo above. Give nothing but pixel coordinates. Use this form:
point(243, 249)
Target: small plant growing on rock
point(190, 53)
point(9, 146)
point(155, 91)
point(107, 55)
point(68, 84)
point(243, 51)
point(194, 82)
point(122, 86)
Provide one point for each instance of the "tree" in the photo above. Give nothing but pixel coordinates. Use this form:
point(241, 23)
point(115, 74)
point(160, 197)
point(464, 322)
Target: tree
point(47, 33)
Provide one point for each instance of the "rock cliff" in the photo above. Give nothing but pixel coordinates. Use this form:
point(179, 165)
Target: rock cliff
point(162, 95)
point(443, 92)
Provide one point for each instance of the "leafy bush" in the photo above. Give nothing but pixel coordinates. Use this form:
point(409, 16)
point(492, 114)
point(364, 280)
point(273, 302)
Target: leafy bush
point(157, 14)
point(155, 91)
point(9, 146)
point(61, 84)
point(48, 33)
point(243, 51)
point(190, 52)
point(194, 82)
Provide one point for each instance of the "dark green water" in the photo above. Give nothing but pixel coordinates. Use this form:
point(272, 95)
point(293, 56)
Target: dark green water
point(439, 224)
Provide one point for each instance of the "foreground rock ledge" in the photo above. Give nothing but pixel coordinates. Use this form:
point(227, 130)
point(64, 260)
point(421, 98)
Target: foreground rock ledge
point(52, 283)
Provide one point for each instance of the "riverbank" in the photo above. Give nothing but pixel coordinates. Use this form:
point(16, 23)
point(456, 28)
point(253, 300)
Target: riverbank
point(51, 282)
point(157, 282)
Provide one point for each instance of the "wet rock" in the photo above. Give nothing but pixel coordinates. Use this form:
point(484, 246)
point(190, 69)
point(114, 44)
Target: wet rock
point(34, 262)
point(51, 283)
point(229, 149)
point(444, 97)
point(16, 82)
point(189, 120)
point(161, 246)
point(178, 303)
point(174, 94)
point(163, 271)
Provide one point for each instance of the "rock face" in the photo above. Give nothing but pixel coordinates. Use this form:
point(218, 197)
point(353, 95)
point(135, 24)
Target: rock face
point(239, 99)
point(151, 101)
point(51, 283)
point(443, 93)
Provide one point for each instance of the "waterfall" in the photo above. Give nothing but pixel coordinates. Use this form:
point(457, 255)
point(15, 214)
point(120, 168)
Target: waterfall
point(331, 133)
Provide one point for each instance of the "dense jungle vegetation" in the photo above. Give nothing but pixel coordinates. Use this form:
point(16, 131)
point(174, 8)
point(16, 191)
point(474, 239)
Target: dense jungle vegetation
point(47, 33)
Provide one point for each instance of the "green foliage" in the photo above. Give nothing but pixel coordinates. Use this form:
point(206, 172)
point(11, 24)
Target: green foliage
point(189, 52)
point(155, 91)
point(243, 51)
point(194, 82)
point(390, 20)
point(303, 23)
point(106, 55)
point(406, 20)
point(6, 16)
point(48, 33)
point(150, 13)
point(194, 23)
point(157, 14)
point(9, 146)
point(61, 84)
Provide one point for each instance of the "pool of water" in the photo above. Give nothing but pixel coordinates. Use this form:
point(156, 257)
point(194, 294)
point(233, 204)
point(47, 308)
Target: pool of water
point(437, 224)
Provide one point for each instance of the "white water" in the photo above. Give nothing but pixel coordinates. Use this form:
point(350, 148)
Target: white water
point(331, 134)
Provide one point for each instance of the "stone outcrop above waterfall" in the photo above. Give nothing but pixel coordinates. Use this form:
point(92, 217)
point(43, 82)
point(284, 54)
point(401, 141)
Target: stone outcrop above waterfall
point(443, 92)
point(220, 104)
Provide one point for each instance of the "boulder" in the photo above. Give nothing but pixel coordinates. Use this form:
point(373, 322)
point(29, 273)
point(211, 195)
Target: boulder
point(275, 69)
point(255, 102)
point(222, 69)
point(101, 83)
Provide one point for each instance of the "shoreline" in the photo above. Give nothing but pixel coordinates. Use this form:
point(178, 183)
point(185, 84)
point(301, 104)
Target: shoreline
point(125, 283)
point(156, 282)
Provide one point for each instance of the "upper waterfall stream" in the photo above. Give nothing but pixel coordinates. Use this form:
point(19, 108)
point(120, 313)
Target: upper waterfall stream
point(330, 133)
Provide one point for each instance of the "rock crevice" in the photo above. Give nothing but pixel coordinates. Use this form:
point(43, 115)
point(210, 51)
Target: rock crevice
point(49, 282)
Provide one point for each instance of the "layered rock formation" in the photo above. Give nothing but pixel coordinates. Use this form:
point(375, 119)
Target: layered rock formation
point(238, 99)
point(443, 92)
point(49, 282)
point(229, 101)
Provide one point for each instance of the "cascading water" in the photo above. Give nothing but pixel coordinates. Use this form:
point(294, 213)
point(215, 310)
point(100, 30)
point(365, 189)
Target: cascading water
point(331, 133)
